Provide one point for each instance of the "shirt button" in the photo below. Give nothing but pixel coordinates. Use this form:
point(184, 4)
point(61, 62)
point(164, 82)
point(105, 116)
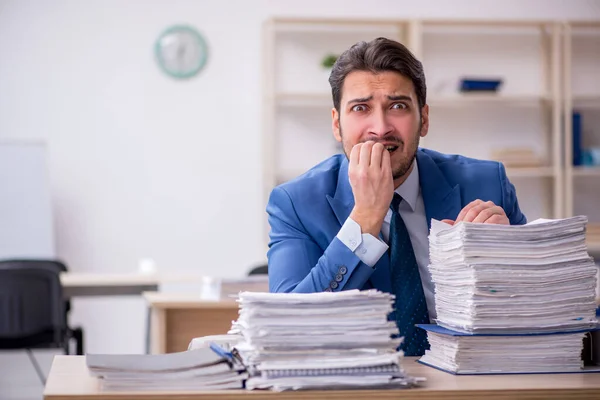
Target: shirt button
point(352, 242)
point(333, 285)
point(339, 278)
point(343, 269)
point(363, 251)
point(328, 290)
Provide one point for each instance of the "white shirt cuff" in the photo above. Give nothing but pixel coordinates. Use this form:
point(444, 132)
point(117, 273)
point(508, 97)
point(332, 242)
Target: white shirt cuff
point(367, 248)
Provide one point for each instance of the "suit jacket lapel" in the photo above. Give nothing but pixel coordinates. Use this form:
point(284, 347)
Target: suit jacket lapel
point(441, 200)
point(342, 201)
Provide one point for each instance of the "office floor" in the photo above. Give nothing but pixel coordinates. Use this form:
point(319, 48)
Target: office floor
point(18, 379)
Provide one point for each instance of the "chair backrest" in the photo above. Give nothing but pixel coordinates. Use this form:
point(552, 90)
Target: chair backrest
point(31, 298)
point(259, 270)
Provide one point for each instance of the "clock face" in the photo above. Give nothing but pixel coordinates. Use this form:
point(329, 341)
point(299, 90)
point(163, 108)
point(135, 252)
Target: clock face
point(181, 52)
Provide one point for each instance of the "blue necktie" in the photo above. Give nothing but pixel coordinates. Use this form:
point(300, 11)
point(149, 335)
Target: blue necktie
point(410, 304)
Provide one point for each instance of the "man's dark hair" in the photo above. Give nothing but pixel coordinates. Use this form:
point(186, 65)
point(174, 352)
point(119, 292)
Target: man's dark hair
point(378, 55)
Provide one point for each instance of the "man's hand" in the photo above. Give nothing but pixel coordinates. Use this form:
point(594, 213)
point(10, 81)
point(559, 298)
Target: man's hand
point(480, 211)
point(370, 174)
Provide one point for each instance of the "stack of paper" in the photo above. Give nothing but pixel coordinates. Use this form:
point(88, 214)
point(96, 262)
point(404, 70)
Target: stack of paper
point(531, 278)
point(319, 340)
point(513, 298)
point(464, 353)
point(201, 369)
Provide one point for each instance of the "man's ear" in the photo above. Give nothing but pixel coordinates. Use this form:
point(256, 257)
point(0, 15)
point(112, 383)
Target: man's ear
point(335, 124)
point(424, 120)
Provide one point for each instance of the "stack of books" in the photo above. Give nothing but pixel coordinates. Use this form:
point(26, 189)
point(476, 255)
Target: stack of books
point(320, 340)
point(201, 369)
point(511, 298)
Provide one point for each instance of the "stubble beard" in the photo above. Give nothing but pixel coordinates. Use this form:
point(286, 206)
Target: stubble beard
point(404, 166)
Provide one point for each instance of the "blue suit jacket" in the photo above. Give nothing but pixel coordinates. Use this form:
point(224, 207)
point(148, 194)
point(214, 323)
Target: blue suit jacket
point(306, 214)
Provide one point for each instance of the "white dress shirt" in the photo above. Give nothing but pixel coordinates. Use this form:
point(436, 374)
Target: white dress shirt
point(370, 249)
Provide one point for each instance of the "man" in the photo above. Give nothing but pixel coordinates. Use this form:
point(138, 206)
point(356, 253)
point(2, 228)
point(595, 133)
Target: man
point(361, 220)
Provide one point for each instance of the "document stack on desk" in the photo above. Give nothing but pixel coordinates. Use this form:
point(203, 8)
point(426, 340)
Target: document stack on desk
point(497, 285)
point(201, 369)
point(319, 340)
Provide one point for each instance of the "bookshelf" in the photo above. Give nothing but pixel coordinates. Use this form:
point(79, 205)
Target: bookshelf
point(526, 113)
point(581, 88)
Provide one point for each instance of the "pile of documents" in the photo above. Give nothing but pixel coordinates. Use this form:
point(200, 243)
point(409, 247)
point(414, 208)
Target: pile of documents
point(201, 369)
point(325, 340)
point(499, 284)
point(465, 353)
point(528, 278)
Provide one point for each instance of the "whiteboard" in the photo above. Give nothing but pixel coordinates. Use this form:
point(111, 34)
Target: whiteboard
point(26, 225)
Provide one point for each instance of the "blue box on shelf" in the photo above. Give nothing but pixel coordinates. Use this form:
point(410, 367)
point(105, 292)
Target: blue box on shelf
point(479, 85)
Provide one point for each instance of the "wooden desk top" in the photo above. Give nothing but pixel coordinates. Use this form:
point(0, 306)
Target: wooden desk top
point(69, 380)
point(186, 300)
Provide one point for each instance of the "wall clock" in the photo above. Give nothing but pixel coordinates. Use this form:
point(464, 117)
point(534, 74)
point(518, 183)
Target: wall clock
point(181, 52)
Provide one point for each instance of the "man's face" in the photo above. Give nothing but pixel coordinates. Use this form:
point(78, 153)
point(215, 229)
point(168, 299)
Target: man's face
point(381, 107)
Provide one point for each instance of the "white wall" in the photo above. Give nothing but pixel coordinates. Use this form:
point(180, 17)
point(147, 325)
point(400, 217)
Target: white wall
point(143, 166)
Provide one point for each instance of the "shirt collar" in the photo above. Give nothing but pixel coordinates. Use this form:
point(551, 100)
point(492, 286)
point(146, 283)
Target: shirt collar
point(409, 189)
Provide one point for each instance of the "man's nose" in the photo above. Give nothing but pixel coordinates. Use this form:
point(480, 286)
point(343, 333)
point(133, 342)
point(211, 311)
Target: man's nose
point(380, 125)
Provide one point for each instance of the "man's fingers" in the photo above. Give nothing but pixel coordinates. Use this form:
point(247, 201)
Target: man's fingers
point(365, 154)
point(466, 209)
point(386, 163)
point(474, 212)
point(487, 213)
point(377, 155)
point(498, 219)
point(355, 154)
point(448, 221)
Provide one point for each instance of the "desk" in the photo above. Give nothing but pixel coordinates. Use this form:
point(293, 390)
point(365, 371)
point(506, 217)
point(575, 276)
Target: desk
point(178, 318)
point(69, 379)
point(90, 284)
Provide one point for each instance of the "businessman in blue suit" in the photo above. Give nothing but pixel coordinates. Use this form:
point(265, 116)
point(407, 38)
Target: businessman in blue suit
point(360, 220)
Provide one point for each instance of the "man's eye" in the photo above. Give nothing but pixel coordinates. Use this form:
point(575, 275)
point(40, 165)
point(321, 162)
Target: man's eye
point(359, 107)
point(399, 106)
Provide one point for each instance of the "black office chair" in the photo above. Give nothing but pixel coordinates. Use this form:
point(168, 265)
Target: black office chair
point(262, 269)
point(33, 312)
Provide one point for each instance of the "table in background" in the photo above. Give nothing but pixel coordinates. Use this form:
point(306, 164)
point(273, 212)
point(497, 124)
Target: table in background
point(83, 284)
point(178, 318)
point(69, 379)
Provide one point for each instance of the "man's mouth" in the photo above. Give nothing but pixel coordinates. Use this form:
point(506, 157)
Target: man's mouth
point(391, 149)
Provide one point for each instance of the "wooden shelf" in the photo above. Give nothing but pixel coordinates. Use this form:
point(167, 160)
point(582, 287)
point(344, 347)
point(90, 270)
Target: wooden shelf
point(586, 171)
point(317, 27)
point(333, 22)
point(588, 101)
point(488, 98)
point(324, 99)
point(530, 172)
point(304, 100)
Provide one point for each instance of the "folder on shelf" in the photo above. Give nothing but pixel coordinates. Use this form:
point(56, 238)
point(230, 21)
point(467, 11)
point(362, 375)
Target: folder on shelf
point(577, 140)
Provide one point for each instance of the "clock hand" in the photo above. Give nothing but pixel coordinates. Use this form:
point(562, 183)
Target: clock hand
point(181, 56)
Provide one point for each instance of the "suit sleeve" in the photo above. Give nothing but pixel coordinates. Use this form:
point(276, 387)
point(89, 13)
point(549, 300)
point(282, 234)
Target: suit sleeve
point(298, 264)
point(509, 199)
